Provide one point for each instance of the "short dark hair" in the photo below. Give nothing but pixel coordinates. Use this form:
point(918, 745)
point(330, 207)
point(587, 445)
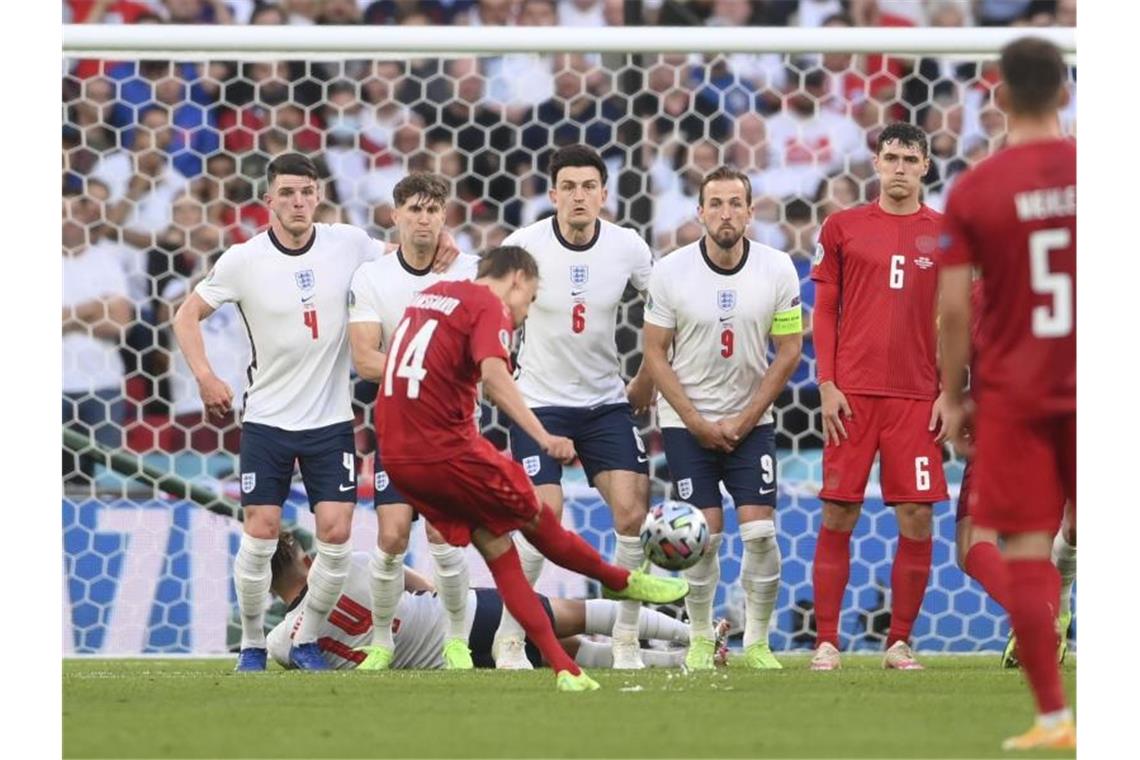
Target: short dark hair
point(904, 134)
point(287, 550)
point(291, 164)
point(502, 261)
point(576, 155)
point(725, 173)
point(432, 186)
point(1034, 74)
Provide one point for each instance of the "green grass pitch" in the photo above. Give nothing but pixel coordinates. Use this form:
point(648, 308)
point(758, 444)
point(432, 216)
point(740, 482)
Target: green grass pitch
point(958, 707)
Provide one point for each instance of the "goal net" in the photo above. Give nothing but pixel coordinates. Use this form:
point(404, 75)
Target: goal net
point(166, 136)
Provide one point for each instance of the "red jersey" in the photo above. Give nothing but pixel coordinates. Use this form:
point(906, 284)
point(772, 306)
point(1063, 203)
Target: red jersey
point(425, 407)
point(1014, 217)
point(886, 268)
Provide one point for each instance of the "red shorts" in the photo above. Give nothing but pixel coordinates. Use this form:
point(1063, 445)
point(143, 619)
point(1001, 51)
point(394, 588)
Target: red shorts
point(910, 462)
point(1025, 470)
point(964, 492)
point(479, 488)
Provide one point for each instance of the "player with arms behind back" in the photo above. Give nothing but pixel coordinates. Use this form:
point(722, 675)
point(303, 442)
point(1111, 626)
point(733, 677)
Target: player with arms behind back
point(290, 284)
point(876, 278)
point(570, 374)
point(452, 335)
point(714, 303)
point(1014, 217)
point(381, 290)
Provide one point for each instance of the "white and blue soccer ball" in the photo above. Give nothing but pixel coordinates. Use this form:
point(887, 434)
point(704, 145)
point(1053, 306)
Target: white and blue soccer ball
point(674, 535)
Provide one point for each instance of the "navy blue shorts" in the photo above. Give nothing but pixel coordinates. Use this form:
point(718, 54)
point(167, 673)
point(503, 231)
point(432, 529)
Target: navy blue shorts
point(748, 473)
point(605, 437)
point(488, 613)
point(327, 457)
point(384, 490)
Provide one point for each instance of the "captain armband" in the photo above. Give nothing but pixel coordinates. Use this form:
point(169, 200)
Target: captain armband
point(788, 322)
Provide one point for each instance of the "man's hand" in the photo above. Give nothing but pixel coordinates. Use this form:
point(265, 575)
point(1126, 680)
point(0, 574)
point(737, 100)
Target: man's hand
point(833, 405)
point(559, 448)
point(938, 418)
point(445, 253)
point(736, 428)
point(640, 393)
point(958, 425)
point(216, 395)
point(711, 435)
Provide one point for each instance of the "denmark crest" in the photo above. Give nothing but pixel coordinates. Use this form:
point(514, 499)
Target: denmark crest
point(248, 482)
point(579, 275)
point(532, 465)
point(726, 299)
point(685, 488)
point(305, 279)
point(381, 481)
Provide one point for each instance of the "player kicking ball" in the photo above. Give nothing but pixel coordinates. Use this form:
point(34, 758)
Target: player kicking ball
point(1013, 218)
point(453, 335)
point(420, 627)
point(714, 304)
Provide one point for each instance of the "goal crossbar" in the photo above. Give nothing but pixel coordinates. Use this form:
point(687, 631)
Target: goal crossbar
point(189, 42)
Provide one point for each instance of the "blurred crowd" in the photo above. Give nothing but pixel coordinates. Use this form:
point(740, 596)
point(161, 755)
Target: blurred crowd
point(163, 160)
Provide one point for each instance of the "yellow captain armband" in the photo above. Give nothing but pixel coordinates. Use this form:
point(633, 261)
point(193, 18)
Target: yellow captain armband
point(788, 322)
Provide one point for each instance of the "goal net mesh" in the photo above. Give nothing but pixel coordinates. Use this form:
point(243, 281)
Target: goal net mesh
point(163, 167)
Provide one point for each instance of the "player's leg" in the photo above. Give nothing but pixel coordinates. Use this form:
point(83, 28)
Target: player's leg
point(386, 572)
point(976, 547)
point(519, 598)
point(546, 475)
point(328, 470)
point(599, 654)
point(696, 473)
point(1022, 498)
point(913, 480)
point(452, 582)
point(596, 617)
point(751, 480)
point(615, 460)
point(266, 461)
point(846, 468)
point(1065, 558)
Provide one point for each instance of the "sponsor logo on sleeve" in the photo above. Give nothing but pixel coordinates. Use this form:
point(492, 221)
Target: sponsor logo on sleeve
point(505, 338)
point(817, 257)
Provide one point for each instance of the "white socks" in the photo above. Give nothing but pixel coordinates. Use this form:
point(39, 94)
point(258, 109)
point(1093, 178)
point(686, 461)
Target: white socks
point(760, 576)
point(531, 560)
point(1065, 558)
point(387, 571)
point(597, 654)
point(702, 578)
point(251, 581)
point(327, 575)
point(452, 583)
point(651, 624)
point(630, 555)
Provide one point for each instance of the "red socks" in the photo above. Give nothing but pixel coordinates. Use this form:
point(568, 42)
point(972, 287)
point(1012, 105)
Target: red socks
point(1035, 590)
point(909, 574)
point(984, 564)
point(571, 551)
point(524, 606)
point(829, 573)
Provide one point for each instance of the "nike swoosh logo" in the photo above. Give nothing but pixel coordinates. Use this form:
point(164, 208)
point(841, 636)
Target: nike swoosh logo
point(576, 293)
point(725, 319)
point(349, 487)
point(310, 298)
point(765, 492)
point(642, 460)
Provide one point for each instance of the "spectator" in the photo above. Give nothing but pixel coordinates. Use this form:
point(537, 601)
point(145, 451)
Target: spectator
point(302, 12)
point(268, 15)
point(676, 204)
point(96, 310)
point(518, 81)
point(339, 12)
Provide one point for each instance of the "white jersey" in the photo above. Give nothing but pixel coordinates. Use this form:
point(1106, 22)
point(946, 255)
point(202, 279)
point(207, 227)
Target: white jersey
point(382, 289)
point(294, 304)
point(419, 627)
point(91, 363)
point(568, 355)
point(722, 320)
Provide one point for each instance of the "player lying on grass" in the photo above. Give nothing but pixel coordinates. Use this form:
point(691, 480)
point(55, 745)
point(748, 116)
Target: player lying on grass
point(421, 625)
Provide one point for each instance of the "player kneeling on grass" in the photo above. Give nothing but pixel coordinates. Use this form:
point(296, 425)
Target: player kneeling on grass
point(453, 335)
point(420, 624)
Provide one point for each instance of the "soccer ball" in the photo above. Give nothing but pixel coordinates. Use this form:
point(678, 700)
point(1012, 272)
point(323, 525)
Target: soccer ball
point(674, 535)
